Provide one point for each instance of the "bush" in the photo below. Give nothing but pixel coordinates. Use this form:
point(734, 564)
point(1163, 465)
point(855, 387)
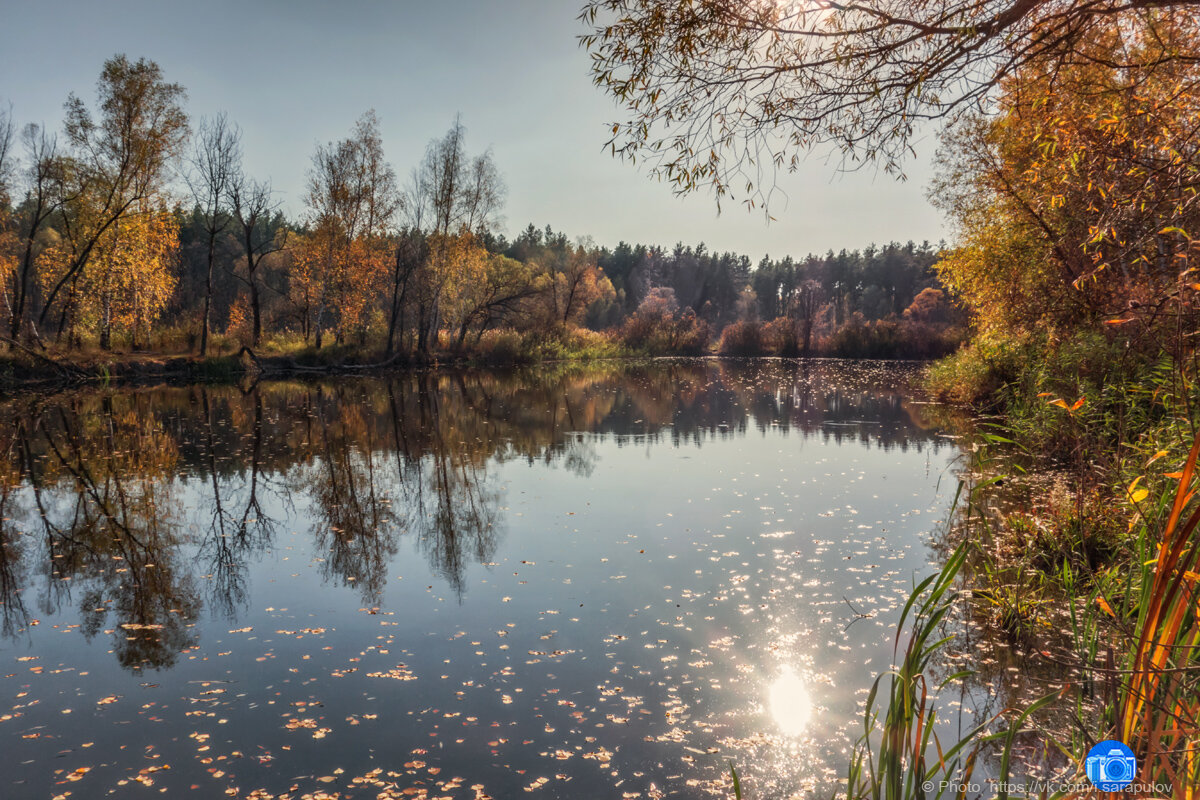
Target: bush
point(976, 372)
point(658, 331)
point(743, 339)
point(504, 346)
point(892, 338)
point(781, 337)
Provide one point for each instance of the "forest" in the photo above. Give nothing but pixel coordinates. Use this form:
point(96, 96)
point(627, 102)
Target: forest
point(137, 230)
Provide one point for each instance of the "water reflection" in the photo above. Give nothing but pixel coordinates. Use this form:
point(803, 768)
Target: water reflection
point(790, 703)
point(581, 581)
point(139, 507)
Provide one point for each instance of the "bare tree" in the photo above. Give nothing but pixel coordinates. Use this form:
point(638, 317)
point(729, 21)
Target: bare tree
point(215, 164)
point(449, 192)
point(254, 208)
point(44, 195)
point(7, 136)
point(726, 93)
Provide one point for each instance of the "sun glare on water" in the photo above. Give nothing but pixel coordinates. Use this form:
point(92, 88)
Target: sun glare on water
point(790, 703)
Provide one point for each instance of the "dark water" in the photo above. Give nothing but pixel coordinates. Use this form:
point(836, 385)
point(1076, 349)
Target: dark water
point(604, 581)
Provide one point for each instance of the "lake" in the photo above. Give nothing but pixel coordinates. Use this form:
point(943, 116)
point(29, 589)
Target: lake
point(605, 580)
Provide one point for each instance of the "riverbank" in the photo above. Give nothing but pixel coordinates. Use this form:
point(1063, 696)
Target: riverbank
point(28, 368)
point(1075, 548)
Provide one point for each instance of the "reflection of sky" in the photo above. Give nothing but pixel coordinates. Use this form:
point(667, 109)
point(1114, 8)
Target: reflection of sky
point(636, 625)
point(732, 567)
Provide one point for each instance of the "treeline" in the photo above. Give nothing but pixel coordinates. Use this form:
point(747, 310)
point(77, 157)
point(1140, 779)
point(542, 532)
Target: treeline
point(140, 229)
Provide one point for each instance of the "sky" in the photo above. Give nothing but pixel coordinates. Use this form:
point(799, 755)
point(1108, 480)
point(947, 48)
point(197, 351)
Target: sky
point(298, 73)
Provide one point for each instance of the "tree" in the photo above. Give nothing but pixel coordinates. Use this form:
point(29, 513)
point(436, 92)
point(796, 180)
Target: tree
point(1075, 203)
point(215, 163)
point(353, 199)
point(725, 94)
point(496, 293)
point(803, 306)
point(411, 254)
point(577, 283)
point(261, 230)
point(130, 279)
point(45, 178)
point(449, 193)
point(118, 161)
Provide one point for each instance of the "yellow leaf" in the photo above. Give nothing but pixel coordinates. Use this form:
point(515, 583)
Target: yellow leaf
point(1104, 606)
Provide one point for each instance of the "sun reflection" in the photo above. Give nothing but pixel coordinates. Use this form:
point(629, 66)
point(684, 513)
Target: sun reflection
point(790, 703)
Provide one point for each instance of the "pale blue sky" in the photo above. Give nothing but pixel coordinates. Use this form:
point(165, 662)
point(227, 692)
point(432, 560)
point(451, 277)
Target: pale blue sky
point(296, 73)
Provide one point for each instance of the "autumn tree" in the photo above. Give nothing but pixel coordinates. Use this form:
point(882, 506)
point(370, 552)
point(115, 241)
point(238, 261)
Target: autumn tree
point(489, 289)
point(1075, 204)
point(8, 237)
point(724, 94)
point(449, 193)
point(803, 306)
point(130, 277)
point(575, 284)
point(215, 160)
point(118, 165)
point(352, 200)
point(410, 256)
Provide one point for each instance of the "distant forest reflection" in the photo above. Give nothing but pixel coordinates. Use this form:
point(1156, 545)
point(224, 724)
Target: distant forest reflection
point(139, 507)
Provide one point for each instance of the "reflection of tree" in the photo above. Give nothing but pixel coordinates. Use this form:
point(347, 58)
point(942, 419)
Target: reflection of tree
point(13, 614)
point(110, 526)
point(354, 521)
point(464, 515)
point(99, 487)
point(232, 534)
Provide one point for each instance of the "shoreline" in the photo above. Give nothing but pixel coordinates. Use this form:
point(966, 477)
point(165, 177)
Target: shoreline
point(23, 373)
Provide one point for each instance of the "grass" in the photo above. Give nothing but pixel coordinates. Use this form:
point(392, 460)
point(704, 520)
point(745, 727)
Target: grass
point(1158, 705)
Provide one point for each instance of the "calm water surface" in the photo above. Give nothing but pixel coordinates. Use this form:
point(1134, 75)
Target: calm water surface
point(604, 581)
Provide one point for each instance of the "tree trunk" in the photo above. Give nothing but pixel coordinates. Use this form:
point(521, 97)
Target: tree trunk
point(423, 329)
point(22, 289)
point(208, 290)
point(256, 308)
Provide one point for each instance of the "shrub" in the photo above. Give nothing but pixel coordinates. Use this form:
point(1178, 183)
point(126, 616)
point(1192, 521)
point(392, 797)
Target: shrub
point(656, 330)
point(781, 337)
point(504, 346)
point(743, 339)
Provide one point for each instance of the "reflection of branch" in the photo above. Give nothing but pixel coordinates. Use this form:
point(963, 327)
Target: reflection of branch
point(857, 615)
point(12, 605)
